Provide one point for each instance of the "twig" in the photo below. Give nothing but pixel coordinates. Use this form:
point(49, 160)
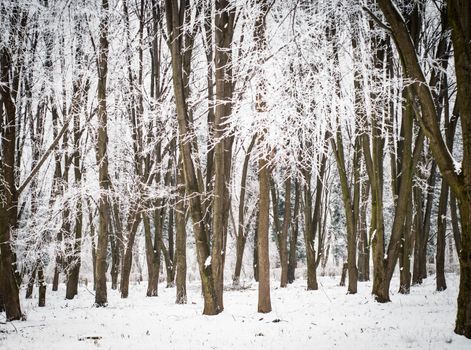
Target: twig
point(89, 291)
point(322, 287)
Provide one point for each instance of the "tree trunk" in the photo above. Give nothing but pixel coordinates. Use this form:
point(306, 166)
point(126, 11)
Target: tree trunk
point(30, 285)
point(75, 261)
point(180, 247)
point(264, 302)
point(459, 17)
point(450, 128)
point(284, 235)
point(441, 238)
point(101, 298)
point(293, 240)
point(349, 207)
point(170, 267)
point(174, 29)
point(343, 277)
point(308, 238)
point(8, 205)
point(152, 258)
point(363, 244)
point(241, 237)
point(255, 246)
point(406, 253)
point(127, 258)
point(115, 258)
point(2, 300)
point(224, 29)
point(463, 317)
point(374, 169)
point(42, 287)
point(422, 226)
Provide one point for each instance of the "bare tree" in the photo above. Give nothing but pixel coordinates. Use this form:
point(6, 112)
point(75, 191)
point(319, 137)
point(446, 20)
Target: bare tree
point(101, 298)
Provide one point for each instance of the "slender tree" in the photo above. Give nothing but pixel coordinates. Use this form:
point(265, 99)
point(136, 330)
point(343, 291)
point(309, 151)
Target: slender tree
point(101, 298)
point(264, 301)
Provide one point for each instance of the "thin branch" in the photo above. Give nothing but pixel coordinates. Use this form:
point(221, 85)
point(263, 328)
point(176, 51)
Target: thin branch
point(376, 19)
point(45, 155)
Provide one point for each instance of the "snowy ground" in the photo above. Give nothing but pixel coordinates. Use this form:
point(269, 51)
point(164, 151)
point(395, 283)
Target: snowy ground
point(323, 319)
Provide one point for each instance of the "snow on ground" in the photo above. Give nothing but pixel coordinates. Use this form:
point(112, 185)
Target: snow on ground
point(323, 319)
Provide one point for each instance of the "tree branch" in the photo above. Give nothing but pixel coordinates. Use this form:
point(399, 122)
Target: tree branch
point(45, 155)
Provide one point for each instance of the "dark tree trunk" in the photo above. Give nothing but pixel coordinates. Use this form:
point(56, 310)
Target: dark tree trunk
point(255, 247)
point(363, 244)
point(180, 247)
point(422, 227)
point(8, 205)
point(241, 237)
point(293, 239)
point(127, 258)
point(92, 241)
point(75, 260)
point(459, 17)
point(101, 298)
point(174, 29)
point(441, 238)
point(308, 237)
point(30, 285)
point(42, 287)
point(170, 268)
point(152, 258)
point(224, 30)
point(2, 300)
point(450, 128)
point(406, 253)
point(115, 259)
point(344, 275)
point(264, 302)
point(284, 235)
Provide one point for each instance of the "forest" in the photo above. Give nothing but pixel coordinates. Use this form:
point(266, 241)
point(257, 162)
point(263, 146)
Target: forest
point(239, 145)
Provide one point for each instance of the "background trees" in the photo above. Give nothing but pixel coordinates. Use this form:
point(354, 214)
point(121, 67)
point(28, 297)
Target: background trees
point(308, 132)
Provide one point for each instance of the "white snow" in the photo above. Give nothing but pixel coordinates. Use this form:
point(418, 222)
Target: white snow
point(324, 319)
point(207, 262)
point(457, 166)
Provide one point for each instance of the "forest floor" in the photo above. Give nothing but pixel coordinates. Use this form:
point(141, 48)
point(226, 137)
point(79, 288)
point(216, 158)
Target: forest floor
point(322, 319)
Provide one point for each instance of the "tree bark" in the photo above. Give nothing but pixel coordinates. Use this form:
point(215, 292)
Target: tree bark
point(30, 285)
point(152, 258)
point(284, 235)
point(42, 287)
point(264, 301)
point(180, 247)
point(363, 244)
point(441, 238)
point(406, 253)
point(224, 30)
point(8, 204)
point(293, 239)
point(255, 246)
point(2, 300)
point(241, 237)
point(78, 91)
point(101, 298)
point(132, 227)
